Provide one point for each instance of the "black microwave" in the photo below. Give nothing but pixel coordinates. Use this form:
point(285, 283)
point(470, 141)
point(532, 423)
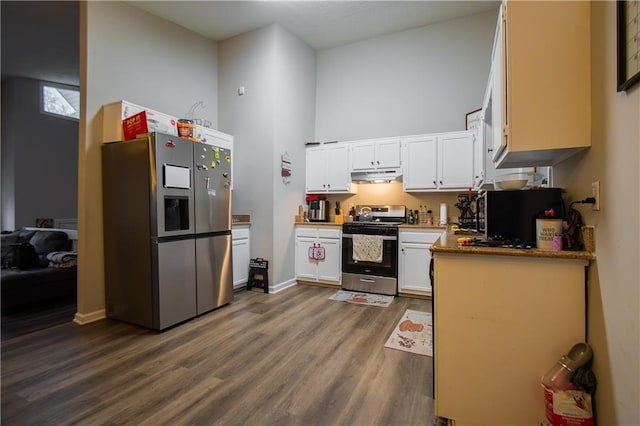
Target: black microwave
point(511, 214)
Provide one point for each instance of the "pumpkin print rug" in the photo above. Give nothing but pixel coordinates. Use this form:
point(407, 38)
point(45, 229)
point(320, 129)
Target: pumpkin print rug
point(413, 333)
point(362, 298)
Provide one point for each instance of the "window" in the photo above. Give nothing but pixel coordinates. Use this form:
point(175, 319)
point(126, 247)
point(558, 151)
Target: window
point(60, 100)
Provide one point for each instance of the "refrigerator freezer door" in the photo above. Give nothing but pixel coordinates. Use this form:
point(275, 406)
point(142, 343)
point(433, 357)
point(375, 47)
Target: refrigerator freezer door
point(214, 272)
point(212, 182)
point(175, 287)
point(171, 186)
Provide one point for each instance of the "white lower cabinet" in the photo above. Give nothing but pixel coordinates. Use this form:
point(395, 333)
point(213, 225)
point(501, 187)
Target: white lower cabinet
point(240, 242)
point(326, 270)
point(414, 257)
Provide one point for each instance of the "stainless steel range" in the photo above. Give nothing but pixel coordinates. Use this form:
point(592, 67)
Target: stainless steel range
point(370, 249)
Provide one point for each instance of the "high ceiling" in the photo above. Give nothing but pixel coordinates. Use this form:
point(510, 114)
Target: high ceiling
point(321, 24)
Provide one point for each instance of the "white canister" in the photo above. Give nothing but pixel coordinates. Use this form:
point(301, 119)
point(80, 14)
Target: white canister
point(546, 229)
point(443, 214)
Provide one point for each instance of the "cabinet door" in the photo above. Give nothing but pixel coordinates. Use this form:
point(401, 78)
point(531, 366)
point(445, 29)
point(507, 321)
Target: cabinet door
point(455, 160)
point(419, 165)
point(337, 168)
point(478, 155)
point(305, 268)
point(388, 154)
point(498, 100)
point(241, 257)
point(414, 268)
point(413, 261)
point(329, 268)
point(316, 173)
point(363, 156)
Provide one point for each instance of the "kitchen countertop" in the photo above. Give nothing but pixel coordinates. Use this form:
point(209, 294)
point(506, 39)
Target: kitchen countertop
point(339, 225)
point(403, 226)
point(438, 228)
point(449, 244)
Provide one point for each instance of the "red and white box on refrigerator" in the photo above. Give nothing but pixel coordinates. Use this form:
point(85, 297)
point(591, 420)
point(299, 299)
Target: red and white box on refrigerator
point(117, 127)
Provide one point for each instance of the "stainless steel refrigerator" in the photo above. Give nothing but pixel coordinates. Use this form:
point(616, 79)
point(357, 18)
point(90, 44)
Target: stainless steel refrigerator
point(167, 229)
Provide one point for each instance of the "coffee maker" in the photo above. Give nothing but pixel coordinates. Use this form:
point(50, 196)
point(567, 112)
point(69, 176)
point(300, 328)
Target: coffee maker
point(318, 208)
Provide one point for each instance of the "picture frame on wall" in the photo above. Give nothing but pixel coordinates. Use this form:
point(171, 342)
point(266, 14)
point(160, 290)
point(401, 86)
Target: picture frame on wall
point(628, 43)
point(472, 119)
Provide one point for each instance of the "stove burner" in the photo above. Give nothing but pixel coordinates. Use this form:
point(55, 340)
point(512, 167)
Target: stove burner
point(499, 242)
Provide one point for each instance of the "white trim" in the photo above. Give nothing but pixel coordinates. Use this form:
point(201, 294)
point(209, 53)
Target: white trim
point(83, 319)
point(282, 286)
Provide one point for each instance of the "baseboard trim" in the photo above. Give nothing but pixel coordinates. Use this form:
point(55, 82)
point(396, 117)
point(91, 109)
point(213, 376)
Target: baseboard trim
point(83, 319)
point(282, 286)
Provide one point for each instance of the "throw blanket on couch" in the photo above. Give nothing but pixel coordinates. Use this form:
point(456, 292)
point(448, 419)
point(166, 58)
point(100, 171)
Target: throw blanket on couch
point(62, 259)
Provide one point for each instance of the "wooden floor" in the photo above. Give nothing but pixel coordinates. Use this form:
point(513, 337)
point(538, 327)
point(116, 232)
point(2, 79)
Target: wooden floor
point(291, 358)
point(28, 320)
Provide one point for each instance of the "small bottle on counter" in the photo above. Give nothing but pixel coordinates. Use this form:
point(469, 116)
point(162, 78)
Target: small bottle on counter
point(429, 218)
point(416, 217)
point(412, 219)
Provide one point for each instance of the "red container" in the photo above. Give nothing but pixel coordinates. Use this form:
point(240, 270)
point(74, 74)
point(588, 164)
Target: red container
point(568, 408)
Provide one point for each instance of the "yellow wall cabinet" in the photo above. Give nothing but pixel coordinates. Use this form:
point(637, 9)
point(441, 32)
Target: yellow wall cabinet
point(540, 92)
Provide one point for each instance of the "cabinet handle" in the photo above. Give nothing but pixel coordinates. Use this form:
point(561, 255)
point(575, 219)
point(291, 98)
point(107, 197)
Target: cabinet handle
point(434, 182)
point(402, 249)
point(440, 182)
point(490, 150)
point(324, 185)
point(372, 163)
point(328, 185)
point(377, 162)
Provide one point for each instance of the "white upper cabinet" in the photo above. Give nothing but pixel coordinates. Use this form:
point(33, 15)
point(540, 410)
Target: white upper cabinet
point(374, 155)
point(541, 83)
point(328, 169)
point(420, 163)
point(443, 161)
point(455, 160)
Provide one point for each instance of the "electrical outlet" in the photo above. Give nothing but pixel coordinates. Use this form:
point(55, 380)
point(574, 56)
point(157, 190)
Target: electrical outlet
point(595, 193)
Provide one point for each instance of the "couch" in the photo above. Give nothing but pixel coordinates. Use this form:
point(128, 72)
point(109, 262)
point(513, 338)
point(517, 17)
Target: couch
point(43, 281)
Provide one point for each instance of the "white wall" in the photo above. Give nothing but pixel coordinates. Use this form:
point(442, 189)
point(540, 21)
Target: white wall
point(295, 124)
point(614, 278)
point(417, 81)
point(274, 116)
point(39, 158)
point(248, 60)
point(129, 54)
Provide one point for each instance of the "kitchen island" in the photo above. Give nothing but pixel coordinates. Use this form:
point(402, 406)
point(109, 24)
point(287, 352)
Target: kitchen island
point(502, 318)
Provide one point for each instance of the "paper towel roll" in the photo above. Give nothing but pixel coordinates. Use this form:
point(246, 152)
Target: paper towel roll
point(443, 214)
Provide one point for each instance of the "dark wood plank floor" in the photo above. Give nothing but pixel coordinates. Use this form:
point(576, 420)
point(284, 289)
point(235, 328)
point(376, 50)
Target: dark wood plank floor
point(291, 358)
point(28, 320)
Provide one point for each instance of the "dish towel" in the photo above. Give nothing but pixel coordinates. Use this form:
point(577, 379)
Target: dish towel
point(367, 248)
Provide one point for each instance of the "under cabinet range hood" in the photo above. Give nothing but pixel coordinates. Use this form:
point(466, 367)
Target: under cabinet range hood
point(376, 176)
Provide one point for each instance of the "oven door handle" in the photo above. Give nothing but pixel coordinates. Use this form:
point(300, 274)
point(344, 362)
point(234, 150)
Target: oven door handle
point(367, 280)
point(383, 237)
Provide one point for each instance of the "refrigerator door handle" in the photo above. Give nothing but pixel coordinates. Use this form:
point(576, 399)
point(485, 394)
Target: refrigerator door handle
point(207, 179)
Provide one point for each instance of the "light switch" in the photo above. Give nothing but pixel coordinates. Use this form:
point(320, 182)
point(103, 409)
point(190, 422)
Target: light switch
point(240, 90)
